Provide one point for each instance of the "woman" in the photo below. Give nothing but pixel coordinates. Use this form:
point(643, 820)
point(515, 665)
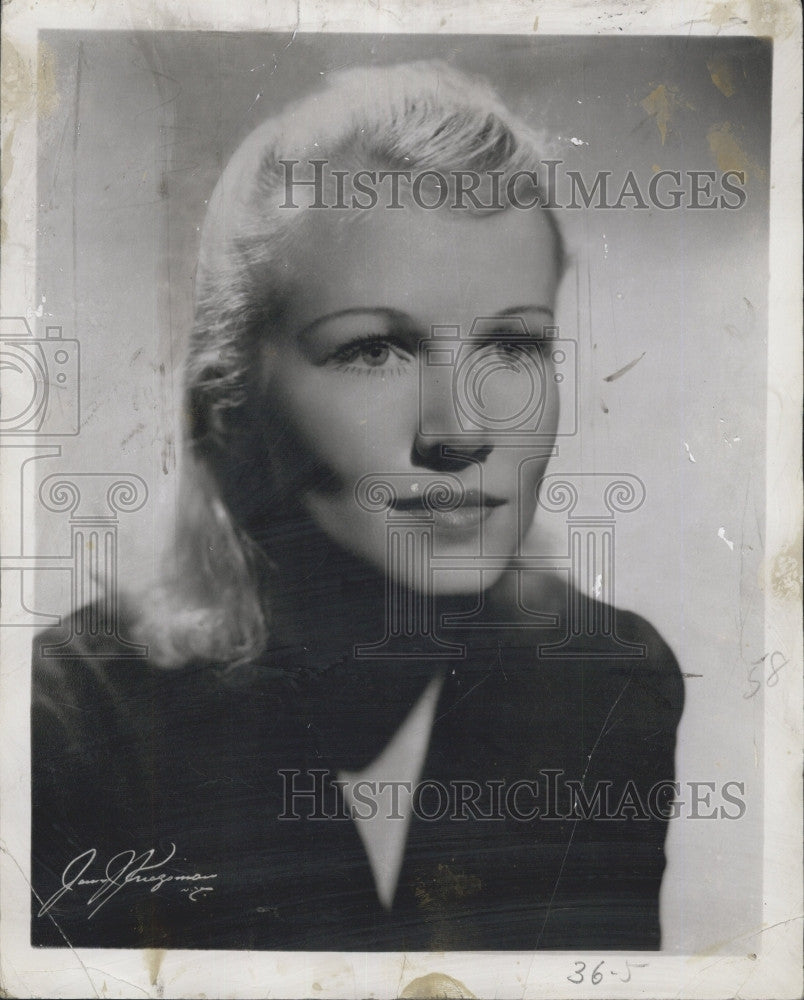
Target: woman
point(360, 725)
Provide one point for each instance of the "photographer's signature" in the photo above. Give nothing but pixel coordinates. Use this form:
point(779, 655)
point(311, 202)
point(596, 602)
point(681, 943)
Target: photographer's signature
point(124, 869)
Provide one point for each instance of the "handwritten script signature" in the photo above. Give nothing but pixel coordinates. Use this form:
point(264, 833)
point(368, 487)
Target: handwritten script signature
point(124, 869)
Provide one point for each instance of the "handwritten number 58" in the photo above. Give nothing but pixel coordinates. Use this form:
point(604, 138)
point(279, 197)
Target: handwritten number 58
point(776, 661)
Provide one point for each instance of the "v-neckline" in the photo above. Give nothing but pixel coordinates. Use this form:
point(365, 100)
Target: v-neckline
point(384, 835)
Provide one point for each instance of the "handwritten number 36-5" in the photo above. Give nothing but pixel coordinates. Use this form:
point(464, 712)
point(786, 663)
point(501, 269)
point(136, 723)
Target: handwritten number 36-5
point(596, 977)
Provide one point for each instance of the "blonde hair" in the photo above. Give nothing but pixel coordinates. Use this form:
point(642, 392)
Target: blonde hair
point(212, 603)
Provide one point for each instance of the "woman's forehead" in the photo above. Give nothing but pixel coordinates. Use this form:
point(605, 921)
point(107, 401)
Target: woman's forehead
point(442, 266)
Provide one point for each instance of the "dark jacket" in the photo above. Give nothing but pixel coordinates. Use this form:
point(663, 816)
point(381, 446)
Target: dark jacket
point(189, 772)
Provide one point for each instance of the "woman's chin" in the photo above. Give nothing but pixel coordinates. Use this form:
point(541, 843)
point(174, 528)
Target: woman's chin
point(442, 559)
point(463, 582)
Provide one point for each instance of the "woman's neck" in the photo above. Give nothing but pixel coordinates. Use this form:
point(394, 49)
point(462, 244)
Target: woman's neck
point(322, 597)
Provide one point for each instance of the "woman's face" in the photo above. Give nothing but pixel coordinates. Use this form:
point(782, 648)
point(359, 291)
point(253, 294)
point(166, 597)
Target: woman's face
point(349, 387)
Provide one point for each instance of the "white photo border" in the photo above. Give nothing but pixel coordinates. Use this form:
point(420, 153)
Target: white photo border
point(769, 962)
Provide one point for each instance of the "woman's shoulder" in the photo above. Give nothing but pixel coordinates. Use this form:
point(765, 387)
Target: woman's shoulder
point(86, 677)
point(572, 610)
point(559, 629)
point(655, 677)
point(103, 684)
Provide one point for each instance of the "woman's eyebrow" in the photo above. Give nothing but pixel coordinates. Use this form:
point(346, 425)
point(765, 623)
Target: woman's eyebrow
point(531, 307)
point(396, 317)
point(388, 316)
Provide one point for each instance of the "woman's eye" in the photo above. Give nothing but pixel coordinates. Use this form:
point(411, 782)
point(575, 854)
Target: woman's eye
point(365, 353)
point(375, 354)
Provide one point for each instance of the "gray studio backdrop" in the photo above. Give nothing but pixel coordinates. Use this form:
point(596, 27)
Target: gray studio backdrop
point(131, 142)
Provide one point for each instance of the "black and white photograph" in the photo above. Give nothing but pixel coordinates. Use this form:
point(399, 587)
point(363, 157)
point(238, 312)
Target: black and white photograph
point(401, 506)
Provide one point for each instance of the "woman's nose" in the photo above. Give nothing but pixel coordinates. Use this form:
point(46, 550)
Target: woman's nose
point(448, 456)
point(441, 442)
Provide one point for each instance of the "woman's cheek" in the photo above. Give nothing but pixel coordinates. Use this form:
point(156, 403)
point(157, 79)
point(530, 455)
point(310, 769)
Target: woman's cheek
point(355, 427)
point(527, 499)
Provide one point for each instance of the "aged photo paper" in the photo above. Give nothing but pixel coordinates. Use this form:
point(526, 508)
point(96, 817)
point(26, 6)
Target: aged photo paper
point(401, 500)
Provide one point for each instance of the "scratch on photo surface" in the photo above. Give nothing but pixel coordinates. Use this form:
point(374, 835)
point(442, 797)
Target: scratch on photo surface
point(297, 24)
point(55, 923)
point(401, 974)
point(464, 695)
point(746, 936)
point(107, 975)
point(499, 659)
point(79, 63)
point(743, 612)
point(385, 10)
point(601, 734)
point(626, 368)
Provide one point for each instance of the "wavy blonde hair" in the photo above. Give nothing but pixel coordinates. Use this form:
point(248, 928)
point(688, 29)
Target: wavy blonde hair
point(213, 604)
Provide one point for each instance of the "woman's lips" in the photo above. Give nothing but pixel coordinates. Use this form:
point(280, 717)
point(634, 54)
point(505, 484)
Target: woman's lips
point(463, 519)
point(464, 515)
